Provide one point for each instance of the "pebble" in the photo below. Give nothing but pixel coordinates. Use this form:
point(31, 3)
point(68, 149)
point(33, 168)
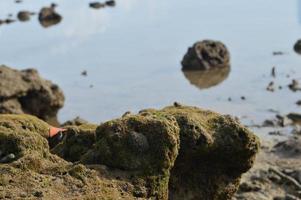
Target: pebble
point(8, 158)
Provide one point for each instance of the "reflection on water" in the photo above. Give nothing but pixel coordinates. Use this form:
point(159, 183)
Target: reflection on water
point(204, 79)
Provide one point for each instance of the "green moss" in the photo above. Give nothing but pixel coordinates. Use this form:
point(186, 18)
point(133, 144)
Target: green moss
point(77, 141)
point(24, 122)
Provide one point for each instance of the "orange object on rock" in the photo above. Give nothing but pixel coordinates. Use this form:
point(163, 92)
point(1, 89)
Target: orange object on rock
point(53, 131)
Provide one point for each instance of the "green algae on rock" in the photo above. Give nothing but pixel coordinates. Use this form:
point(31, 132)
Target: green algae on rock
point(77, 141)
point(178, 152)
point(215, 150)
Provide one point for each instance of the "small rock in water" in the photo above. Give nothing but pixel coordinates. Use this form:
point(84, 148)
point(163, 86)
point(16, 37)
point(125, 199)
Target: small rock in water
point(295, 117)
point(278, 53)
point(275, 133)
point(9, 21)
point(273, 73)
point(243, 98)
point(24, 15)
point(18, 1)
point(110, 3)
point(283, 120)
point(84, 73)
point(269, 123)
point(271, 87)
point(294, 86)
point(206, 54)
point(97, 5)
point(298, 102)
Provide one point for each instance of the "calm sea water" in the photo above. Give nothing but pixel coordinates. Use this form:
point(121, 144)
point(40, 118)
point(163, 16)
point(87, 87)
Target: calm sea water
point(132, 54)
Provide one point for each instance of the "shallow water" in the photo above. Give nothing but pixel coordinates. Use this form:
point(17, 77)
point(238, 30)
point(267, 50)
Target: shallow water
point(132, 54)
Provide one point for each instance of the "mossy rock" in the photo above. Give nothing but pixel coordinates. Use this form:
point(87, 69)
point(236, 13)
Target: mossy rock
point(77, 141)
point(215, 150)
point(178, 152)
point(21, 135)
point(143, 146)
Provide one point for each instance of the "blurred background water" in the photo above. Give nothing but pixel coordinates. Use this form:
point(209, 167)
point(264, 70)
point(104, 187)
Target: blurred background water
point(132, 54)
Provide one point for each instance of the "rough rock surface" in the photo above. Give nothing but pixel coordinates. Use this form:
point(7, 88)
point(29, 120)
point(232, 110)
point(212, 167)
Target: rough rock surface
point(174, 153)
point(26, 92)
point(206, 54)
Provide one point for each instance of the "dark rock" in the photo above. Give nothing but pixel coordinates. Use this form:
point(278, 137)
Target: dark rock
point(9, 21)
point(273, 72)
point(295, 117)
point(48, 16)
point(110, 3)
point(26, 92)
point(84, 73)
point(271, 87)
point(294, 86)
point(298, 102)
point(278, 53)
point(97, 5)
point(297, 47)
point(206, 54)
point(24, 15)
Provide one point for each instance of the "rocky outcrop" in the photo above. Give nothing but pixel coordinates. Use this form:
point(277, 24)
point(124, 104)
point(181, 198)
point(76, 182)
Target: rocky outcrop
point(205, 55)
point(26, 92)
point(178, 152)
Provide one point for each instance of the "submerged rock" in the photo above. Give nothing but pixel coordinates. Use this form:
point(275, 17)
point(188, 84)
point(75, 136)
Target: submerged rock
point(204, 79)
point(206, 54)
point(178, 152)
point(48, 16)
point(26, 92)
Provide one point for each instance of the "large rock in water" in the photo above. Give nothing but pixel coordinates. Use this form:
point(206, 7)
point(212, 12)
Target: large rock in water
point(26, 92)
point(206, 54)
point(178, 152)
